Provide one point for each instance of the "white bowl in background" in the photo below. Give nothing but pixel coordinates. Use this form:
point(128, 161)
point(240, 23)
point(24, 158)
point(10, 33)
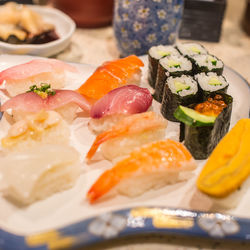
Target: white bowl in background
point(64, 27)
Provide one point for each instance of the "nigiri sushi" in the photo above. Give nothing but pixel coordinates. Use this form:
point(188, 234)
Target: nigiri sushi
point(153, 165)
point(117, 104)
point(112, 75)
point(20, 77)
point(33, 174)
point(130, 132)
point(66, 102)
point(43, 127)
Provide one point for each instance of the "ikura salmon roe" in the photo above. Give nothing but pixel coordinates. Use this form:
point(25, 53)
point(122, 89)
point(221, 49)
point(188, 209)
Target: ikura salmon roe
point(212, 106)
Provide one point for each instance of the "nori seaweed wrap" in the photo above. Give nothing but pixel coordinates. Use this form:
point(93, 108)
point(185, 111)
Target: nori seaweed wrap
point(155, 53)
point(206, 63)
point(202, 135)
point(191, 49)
point(178, 91)
point(210, 83)
point(170, 66)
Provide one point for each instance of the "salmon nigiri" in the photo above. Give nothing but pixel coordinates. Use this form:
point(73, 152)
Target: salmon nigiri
point(111, 75)
point(128, 133)
point(150, 166)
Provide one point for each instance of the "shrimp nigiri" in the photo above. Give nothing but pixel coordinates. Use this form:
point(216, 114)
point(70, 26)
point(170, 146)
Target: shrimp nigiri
point(20, 77)
point(112, 75)
point(128, 133)
point(150, 166)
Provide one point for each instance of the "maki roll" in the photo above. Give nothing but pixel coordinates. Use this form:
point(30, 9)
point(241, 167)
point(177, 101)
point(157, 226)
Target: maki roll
point(155, 53)
point(206, 63)
point(210, 83)
point(191, 49)
point(173, 65)
point(205, 124)
point(178, 91)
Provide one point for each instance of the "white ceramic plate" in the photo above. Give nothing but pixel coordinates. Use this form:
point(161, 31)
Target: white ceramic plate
point(71, 206)
point(64, 26)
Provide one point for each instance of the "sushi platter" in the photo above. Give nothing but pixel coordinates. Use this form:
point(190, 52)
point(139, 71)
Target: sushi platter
point(78, 215)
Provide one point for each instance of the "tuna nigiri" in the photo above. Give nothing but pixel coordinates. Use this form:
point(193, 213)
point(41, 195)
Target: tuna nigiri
point(150, 166)
point(63, 101)
point(20, 77)
point(128, 133)
point(120, 102)
point(112, 75)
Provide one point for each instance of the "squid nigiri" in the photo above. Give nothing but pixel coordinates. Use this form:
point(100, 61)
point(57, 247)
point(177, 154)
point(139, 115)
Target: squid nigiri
point(120, 102)
point(20, 77)
point(128, 133)
point(65, 102)
point(112, 75)
point(153, 165)
point(35, 173)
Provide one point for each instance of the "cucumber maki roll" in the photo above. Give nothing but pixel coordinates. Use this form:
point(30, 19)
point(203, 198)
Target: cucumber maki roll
point(178, 91)
point(206, 63)
point(210, 83)
point(205, 124)
point(191, 49)
point(155, 53)
point(173, 65)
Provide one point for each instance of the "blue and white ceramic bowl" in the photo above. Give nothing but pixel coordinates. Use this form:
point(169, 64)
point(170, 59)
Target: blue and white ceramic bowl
point(141, 24)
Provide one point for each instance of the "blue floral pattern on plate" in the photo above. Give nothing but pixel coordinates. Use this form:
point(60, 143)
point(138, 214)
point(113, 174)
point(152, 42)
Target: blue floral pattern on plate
point(141, 24)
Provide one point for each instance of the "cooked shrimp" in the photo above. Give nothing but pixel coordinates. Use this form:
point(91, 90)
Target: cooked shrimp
point(134, 124)
point(145, 167)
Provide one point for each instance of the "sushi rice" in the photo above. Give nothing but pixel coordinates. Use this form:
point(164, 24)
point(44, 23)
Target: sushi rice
point(155, 53)
point(211, 82)
point(170, 66)
point(178, 91)
point(190, 49)
point(207, 63)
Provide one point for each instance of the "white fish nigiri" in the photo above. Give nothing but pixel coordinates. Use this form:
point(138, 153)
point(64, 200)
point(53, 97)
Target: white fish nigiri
point(62, 101)
point(19, 78)
point(117, 104)
point(38, 173)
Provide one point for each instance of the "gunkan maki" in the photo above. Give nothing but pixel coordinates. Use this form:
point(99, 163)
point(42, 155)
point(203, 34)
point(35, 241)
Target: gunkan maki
point(173, 65)
point(155, 53)
point(205, 123)
point(178, 91)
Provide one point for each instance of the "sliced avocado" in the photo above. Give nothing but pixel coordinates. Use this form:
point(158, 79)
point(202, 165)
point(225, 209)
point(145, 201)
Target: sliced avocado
point(163, 53)
point(195, 50)
point(214, 81)
point(172, 63)
point(193, 118)
point(179, 86)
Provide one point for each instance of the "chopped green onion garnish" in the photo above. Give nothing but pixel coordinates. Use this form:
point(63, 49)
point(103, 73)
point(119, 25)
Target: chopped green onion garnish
point(44, 91)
